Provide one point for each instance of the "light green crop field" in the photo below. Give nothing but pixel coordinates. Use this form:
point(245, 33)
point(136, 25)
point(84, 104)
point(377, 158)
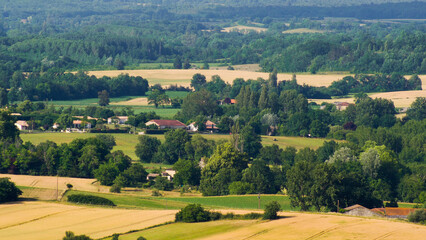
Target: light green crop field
point(142, 199)
point(166, 111)
point(238, 202)
point(187, 231)
point(127, 142)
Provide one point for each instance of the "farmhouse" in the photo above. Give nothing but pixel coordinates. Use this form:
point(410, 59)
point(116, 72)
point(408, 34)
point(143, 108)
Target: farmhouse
point(22, 125)
point(55, 126)
point(358, 210)
point(341, 105)
point(169, 173)
point(163, 124)
point(79, 123)
point(82, 117)
point(227, 101)
point(210, 126)
point(118, 120)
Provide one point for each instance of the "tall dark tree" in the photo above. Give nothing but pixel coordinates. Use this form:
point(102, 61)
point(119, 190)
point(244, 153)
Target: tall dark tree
point(3, 97)
point(146, 148)
point(177, 64)
point(198, 81)
point(103, 97)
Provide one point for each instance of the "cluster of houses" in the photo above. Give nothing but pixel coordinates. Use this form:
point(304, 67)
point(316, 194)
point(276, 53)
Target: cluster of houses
point(82, 122)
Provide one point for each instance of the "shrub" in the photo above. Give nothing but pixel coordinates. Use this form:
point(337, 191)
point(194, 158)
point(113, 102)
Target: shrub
point(69, 185)
point(72, 236)
point(8, 190)
point(141, 238)
point(271, 210)
point(392, 203)
point(156, 193)
point(90, 199)
point(192, 213)
point(115, 188)
point(239, 188)
point(418, 216)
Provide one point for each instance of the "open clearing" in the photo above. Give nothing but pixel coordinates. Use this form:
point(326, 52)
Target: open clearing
point(291, 226)
point(39, 220)
point(141, 101)
point(244, 29)
point(303, 30)
point(183, 76)
point(399, 98)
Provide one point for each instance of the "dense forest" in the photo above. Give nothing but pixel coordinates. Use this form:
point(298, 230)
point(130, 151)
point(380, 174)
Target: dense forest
point(120, 34)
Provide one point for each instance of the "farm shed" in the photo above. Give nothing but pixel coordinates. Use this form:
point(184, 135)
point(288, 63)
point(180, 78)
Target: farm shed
point(358, 210)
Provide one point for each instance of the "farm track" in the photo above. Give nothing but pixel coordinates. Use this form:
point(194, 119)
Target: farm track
point(328, 230)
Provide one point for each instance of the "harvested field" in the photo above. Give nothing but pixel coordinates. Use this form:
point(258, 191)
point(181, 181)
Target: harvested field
point(400, 98)
point(183, 76)
point(49, 182)
point(38, 220)
point(303, 30)
point(291, 226)
point(143, 101)
point(242, 67)
point(244, 29)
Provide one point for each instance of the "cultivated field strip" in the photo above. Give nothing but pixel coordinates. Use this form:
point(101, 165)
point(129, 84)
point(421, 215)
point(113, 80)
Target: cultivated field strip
point(183, 76)
point(317, 226)
point(38, 220)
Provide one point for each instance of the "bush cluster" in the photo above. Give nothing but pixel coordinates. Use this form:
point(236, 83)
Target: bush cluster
point(419, 216)
point(8, 190)
point(90, 199)
point(196, 213)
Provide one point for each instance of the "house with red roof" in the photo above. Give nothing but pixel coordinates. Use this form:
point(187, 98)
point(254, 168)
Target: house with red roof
point(166, 124)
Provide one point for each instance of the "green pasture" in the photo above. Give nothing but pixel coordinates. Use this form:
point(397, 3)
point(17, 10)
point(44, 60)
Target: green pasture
point(142, 199)
point(127, 142)
point(187, 231)
point(136, 200)
point(237, 202)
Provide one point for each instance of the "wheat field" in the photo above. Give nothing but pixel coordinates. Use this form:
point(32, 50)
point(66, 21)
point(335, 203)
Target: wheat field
point(183, 76)
point(42, 220)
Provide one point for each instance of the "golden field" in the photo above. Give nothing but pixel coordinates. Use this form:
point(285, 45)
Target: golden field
point(41, 220)
point(244, 29)
point(183, 76)
point(51, 182)
point(400, 98)
point(303, 30)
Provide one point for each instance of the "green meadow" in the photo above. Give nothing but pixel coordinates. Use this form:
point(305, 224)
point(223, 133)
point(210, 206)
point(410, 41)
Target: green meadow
point(127, 142)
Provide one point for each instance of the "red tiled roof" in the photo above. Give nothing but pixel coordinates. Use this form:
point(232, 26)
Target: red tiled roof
point(167, 122)
point(398, 211)
point(233, 101)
